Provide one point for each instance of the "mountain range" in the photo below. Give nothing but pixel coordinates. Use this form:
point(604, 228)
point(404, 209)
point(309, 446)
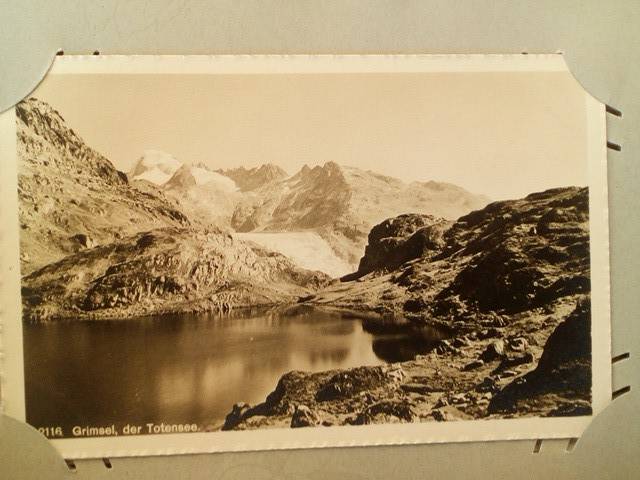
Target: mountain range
point(74, 202)
point(338, 203)
point(251, 178)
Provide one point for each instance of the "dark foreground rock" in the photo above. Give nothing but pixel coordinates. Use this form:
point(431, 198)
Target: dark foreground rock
point(561, 383)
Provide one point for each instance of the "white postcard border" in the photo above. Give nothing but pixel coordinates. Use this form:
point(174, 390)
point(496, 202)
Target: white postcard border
point(11, 349)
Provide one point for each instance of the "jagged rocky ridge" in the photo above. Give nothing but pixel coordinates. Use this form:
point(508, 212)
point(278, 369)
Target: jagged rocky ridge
point(507, 288)
point(206, 196)
point(342, 203)
point(251, 178)
point(336, 202)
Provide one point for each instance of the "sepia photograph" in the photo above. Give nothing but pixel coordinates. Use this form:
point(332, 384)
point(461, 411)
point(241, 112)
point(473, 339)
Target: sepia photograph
point(238, 251)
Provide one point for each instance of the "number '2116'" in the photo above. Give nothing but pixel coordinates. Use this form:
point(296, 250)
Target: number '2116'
point(51, 431)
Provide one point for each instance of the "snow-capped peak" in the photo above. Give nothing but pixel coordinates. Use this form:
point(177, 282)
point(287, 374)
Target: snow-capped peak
point(155, 166)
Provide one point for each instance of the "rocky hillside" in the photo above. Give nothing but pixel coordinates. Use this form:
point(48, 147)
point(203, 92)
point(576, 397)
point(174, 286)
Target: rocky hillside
point(506, 290)
point(400, 239)
point(343, 203)
point(71, 197)
point(163, 271)
point(509, 257)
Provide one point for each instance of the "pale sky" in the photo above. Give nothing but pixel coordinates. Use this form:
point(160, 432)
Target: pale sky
point(502, 134)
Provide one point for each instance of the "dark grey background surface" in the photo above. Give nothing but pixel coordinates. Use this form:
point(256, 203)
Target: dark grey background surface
point(601, 44)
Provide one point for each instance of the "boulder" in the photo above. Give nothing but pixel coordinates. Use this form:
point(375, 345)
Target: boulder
point(447, 413)
point(473, 365)
point(351, 382)
point(459, 398)
point(512, 361)
point(443, 347)
point(400, 239)
point(489, 384)
point(387, 411)
point(518, 344)
point(395, 373)
point(443, 401)
point(460, 342)
point(570, 342)
point(439, 415)
point(236, 415)
point(417, 388)
point(83, 240)
point(303, 416)
point(494, 320)
point(494, 351)
point(489, 333)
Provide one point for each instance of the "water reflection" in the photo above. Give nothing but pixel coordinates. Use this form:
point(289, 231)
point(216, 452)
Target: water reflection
point(399, 348)
point(186, 368)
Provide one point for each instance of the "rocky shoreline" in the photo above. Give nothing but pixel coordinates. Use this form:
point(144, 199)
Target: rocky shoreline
point(490, 372)
point(507, 285)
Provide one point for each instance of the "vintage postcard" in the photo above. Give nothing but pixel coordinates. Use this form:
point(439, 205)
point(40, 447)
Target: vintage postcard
point(237, 253)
